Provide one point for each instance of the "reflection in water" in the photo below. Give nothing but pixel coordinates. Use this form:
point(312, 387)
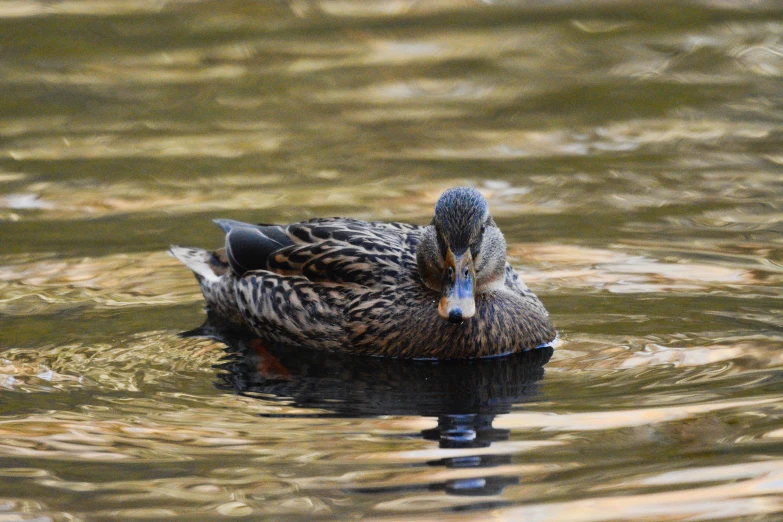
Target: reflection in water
point(465, 396)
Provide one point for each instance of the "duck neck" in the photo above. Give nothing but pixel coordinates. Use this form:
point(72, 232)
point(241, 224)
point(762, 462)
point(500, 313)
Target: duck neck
point(429, 260)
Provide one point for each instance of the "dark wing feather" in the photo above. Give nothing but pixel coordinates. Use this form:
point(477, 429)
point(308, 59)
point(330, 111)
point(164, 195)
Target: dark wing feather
point(336, 250)
point(248, 247)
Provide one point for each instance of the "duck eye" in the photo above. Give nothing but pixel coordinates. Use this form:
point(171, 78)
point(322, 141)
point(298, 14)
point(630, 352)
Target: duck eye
point(466, 272)
point(450, 272)
point(483, 228)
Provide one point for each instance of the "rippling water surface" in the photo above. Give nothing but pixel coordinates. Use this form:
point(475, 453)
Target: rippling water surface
point(631, 152)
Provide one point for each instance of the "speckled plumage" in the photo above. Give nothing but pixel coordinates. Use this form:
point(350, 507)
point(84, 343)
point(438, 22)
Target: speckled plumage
point(354, 286)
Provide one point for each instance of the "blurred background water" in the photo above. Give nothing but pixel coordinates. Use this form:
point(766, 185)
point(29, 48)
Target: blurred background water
point(630, 151)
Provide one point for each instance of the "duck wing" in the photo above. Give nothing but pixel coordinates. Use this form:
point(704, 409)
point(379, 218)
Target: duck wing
point(248, 247)
point(338, 250)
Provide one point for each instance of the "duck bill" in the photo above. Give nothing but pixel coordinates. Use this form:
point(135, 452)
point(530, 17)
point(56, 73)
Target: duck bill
point(458, 302)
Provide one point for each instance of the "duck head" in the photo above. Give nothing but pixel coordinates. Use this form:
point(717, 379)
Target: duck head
point(462, 253)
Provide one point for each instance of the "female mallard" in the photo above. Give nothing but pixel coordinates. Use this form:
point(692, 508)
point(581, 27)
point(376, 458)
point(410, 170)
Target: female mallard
point(440, 291)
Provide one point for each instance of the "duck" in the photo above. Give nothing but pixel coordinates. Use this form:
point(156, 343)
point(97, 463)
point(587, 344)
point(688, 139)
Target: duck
point(439, 291)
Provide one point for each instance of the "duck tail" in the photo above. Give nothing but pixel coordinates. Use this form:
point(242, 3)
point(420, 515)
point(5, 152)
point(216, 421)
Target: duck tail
point(214, 278)
point(200, 261)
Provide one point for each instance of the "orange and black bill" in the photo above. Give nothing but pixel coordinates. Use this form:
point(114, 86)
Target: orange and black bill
point(457, 301)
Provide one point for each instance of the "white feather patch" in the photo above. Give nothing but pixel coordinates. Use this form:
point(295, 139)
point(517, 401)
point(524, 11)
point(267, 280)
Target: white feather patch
point(196, 259)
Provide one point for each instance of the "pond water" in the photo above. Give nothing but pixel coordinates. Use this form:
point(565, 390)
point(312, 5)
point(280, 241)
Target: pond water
point(631, 153)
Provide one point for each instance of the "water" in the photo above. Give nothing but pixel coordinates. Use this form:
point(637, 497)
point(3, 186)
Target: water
point(631, 154)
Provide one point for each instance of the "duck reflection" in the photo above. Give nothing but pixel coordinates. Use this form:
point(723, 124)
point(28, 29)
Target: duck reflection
point(464, 396)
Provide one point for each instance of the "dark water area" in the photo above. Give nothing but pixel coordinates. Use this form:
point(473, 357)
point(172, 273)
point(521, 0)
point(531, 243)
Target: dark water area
point(630, 152)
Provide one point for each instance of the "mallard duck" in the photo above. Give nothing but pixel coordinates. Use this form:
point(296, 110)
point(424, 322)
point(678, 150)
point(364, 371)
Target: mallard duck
point(440, 291)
